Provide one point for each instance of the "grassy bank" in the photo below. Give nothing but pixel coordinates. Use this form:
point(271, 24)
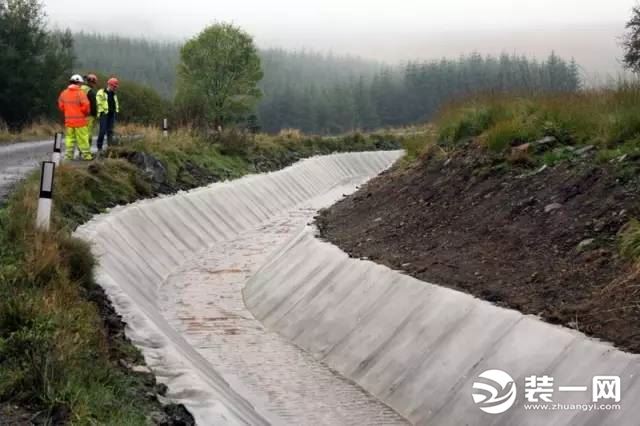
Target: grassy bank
point(596, 128)
point(35, 132)
point(60, 355)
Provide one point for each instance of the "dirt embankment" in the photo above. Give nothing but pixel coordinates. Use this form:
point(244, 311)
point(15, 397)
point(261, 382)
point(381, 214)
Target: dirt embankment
point(543, 243)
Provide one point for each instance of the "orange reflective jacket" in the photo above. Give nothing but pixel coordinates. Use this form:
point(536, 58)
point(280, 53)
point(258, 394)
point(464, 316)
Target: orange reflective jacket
point(75, 106)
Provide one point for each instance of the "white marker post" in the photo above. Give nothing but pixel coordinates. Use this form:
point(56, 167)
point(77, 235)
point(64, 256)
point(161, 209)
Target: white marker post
point(165, 127)
point(46, 194)
point(56, 156)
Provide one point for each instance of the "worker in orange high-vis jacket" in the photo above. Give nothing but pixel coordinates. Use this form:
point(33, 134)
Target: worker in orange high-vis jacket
point(75, 106)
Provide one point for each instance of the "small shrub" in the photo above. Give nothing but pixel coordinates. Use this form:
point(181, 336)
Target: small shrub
point(630, 240)
point(77, 255)
point(508, 133)
point(558, 155)
point(469, 122)
point(623, 125)
point(558, 131)
point(414, 145)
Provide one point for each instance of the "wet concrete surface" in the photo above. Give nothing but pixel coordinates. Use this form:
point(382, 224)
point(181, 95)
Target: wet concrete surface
point(203, 301)
point(161, 260)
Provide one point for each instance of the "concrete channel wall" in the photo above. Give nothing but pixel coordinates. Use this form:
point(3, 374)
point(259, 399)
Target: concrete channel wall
point(139, 246)
point(419, 347)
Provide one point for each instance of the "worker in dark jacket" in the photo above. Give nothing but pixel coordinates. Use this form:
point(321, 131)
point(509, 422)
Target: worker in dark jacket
point(89, 88)
point(108, 108)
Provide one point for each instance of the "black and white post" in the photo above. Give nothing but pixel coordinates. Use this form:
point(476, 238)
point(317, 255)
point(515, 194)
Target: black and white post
point(165, 127)
point(43, 218)
point(56, 156)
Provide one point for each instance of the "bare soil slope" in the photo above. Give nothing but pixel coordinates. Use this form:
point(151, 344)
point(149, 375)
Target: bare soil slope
point(543, 243)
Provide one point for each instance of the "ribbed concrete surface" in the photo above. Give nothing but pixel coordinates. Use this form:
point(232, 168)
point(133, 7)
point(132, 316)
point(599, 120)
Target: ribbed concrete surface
point(203, 301)
point(419, 347)
point(142, 245)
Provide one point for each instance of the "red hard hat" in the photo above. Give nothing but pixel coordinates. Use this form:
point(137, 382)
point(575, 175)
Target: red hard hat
point(113, 82)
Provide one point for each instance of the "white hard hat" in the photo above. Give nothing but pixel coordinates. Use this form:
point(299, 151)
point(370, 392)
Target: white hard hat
point(76, 78)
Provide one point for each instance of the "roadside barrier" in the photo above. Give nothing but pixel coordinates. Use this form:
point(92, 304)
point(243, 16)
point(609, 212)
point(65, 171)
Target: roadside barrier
point(165, 127)
point(43, 217)
point(56, 156)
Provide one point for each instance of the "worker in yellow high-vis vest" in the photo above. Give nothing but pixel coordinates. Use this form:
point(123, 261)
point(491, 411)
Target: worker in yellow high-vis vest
point(108, 108)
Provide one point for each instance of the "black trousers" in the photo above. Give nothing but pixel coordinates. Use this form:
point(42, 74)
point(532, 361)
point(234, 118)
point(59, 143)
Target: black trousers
point(107, 122)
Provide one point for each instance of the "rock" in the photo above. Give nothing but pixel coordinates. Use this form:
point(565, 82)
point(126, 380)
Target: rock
point(142, 369)
point(547, 140)
point(551, 207)
point(159, 418)
point(179, 415)
point(540, 170)
point(151, 167)
point(162, 389)
point(585, 149)
point(585, 243)
point(125, 364)
point(521, 148)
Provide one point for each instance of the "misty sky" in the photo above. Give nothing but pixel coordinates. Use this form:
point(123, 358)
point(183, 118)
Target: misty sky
point(391, 30)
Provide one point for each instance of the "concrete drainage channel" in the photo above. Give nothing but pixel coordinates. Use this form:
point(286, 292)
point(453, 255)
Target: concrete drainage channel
point(319, 338)
point(174, 268)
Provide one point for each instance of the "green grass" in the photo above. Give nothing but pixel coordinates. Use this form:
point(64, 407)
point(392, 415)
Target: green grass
point(35, 132)
point(608, 119)
point(630, 240)
point(54, 353)
point(457, 124)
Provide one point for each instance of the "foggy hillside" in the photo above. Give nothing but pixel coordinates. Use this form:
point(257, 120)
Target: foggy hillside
point(329, 94)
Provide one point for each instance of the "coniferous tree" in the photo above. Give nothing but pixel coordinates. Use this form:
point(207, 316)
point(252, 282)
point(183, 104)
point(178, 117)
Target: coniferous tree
point(35, 63)
point(327, 93)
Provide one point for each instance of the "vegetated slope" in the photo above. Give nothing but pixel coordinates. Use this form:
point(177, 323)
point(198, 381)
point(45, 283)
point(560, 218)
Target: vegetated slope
point(63, 354)
point(544, 227)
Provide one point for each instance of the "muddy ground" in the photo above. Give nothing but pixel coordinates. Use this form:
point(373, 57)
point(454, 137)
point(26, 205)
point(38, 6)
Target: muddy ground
point(544, 244)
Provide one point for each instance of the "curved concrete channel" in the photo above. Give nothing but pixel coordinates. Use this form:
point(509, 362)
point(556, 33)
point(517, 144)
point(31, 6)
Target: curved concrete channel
point(175, 267)
point(250, 319)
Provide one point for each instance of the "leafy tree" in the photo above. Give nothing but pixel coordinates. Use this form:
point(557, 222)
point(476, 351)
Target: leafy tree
point(142, 104)
point(34, 63)
point(219, 73)
point(631, 41)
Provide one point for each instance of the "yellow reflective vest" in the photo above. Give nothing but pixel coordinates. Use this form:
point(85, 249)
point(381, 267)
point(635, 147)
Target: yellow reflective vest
point(102, 100)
